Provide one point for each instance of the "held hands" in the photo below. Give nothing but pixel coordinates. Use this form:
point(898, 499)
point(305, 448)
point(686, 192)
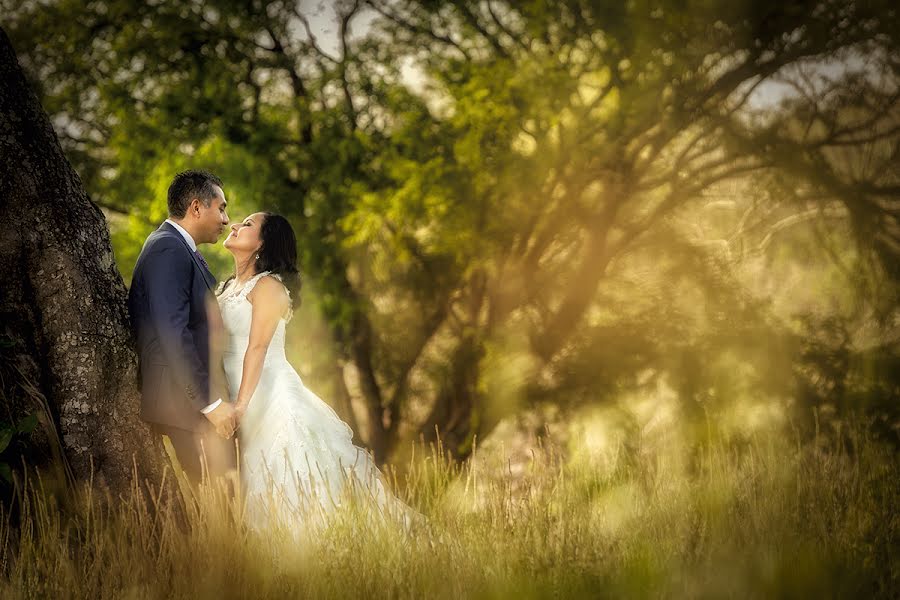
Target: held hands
point(227, 417)
point(223, 419)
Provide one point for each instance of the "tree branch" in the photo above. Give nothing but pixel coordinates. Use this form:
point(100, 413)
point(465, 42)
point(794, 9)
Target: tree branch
point(418, 29)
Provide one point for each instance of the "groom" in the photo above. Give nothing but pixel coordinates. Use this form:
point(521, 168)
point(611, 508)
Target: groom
point(174, 313)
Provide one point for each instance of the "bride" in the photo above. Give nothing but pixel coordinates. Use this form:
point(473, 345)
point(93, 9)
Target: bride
point(297, 460)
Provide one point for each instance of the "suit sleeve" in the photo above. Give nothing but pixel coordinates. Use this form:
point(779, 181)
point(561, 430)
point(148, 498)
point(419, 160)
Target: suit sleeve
point(168, 277)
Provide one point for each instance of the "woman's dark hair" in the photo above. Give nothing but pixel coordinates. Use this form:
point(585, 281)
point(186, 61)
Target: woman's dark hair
point(277, 254)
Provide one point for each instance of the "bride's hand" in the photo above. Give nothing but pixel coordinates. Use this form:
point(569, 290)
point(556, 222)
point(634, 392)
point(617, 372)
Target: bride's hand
point(239, 410)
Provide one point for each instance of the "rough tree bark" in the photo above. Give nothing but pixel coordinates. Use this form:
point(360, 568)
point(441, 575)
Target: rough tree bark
point(63, 316)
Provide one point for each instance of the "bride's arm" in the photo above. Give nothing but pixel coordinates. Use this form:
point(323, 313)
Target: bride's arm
point(270, 301)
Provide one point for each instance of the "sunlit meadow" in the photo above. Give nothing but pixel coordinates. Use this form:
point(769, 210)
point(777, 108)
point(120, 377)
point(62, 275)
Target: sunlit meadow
point(686, 513)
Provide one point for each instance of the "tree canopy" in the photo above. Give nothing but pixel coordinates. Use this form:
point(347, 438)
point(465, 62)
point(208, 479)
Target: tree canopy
point(507, 203)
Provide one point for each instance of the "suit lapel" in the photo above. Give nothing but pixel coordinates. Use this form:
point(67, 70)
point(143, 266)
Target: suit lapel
point(208, 278)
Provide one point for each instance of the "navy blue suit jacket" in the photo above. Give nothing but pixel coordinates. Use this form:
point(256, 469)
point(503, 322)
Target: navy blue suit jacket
point(168, 302)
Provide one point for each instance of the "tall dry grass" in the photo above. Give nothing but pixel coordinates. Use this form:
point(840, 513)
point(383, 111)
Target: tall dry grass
point(766, 517)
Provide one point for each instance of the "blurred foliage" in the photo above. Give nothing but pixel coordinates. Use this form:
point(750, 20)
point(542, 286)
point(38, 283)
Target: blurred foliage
point(502, 205)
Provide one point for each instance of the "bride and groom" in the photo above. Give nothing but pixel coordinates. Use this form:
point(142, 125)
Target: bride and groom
point(213, 368)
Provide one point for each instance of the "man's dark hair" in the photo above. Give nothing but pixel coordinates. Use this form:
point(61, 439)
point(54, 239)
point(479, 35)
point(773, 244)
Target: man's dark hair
point(189, 185)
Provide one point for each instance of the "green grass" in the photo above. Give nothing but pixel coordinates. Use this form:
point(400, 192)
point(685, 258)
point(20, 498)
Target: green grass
point(766, 517)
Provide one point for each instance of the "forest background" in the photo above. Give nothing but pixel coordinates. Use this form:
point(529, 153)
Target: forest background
point(624, 230)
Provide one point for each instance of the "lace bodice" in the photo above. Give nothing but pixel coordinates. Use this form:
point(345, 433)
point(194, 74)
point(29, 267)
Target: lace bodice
point(237, 314)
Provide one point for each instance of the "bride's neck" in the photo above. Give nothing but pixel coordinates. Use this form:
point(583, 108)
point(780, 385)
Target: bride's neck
point(244, 269)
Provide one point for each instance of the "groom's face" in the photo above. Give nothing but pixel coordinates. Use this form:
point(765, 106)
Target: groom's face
point(212, 219)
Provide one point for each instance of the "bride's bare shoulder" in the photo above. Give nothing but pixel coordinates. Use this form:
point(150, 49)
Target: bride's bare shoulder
point(270, 291)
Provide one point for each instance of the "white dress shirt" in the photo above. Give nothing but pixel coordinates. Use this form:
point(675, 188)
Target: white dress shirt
point(190, 242)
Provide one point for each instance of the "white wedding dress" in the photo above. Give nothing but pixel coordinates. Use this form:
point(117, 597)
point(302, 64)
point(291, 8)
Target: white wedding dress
point(297, 459)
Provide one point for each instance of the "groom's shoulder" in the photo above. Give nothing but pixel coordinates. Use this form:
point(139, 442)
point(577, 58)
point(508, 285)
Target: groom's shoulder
point(165, 241)
point(163, 238)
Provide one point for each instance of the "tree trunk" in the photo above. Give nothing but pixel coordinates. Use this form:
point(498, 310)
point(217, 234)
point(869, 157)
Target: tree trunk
point(63, 316)
point(343, 401)
point(457, 411)
point(361, 352)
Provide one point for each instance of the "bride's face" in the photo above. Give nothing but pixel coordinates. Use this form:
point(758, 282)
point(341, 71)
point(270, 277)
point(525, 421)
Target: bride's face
point(244, 236)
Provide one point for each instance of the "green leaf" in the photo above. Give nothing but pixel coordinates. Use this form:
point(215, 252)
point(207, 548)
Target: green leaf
point(6, 435)
point(6, 472)
point(27, 424)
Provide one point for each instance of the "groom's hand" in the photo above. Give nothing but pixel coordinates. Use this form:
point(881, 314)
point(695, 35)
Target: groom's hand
point(222, 418)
